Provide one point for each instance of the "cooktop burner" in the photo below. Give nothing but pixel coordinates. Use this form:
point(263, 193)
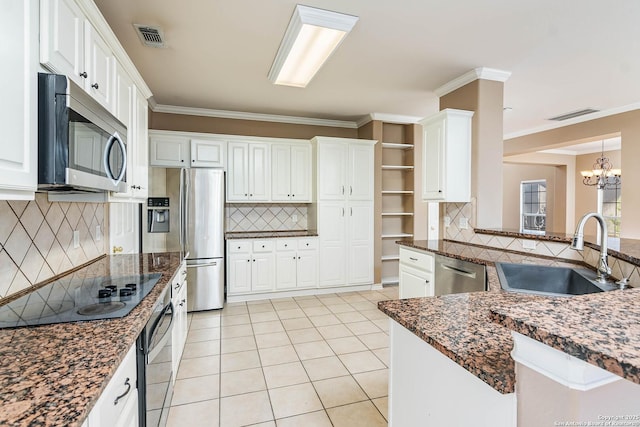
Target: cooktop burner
point(73, 299)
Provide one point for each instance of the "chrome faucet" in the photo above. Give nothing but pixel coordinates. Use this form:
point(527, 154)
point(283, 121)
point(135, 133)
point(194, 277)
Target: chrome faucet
point(578, 244)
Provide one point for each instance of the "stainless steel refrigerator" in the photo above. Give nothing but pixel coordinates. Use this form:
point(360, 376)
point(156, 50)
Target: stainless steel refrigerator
point(199, 232)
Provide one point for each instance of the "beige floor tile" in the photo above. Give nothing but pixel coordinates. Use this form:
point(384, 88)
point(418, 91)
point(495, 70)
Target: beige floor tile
point(352, 297)
point(361, 328)
point(342, 307)
point(285, 375)
point(330, 299)
point(266, 316)
point(346, 345)
point(294, 400)
point(200, 335)
point(382, 403)
point(350, 317)
point(316, 310)
point(361, 362)
point(200, 414)
point(236, 331)
point(278, 355)
point(324, 367)
point(327, 319)
point(375, 341)
point(234, 310)
point(275, 339)
point(239, 361)
point(383, 324)
point(374, 383)
point(198, 367)
point(204, 322)
point(313, 350)
point(362, 414)
point(339, 391)
point(267, 424)
point(191, 390)
point(334, 331)
point(280, 304)
point(374, 314)
point(364, 305)
point(245, 409)
point(241, 382)
point(296, 323)
point(309, 302)
point(267, 327)
point(291, 313)
point(201, 349)
point(298, 336)
point(239, 319)
point(312, 419)
point(261, 307)
point(383, 355)
point(233, 345)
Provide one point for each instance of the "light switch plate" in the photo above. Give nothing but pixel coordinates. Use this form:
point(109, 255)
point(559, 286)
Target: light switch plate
point(447, 221)
point(463, 223)
point(528, 244)
point(294, 218)
point(98, 233)
point(76, 239)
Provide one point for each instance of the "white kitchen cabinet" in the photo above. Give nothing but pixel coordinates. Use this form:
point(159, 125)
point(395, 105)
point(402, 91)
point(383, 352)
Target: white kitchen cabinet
point(100, 65)
point(359, 230)
point(360, 172)
point(416, 274)
point(118, 403)
point(249, 172)
point(18, 83)
point(181, 327)
point(238, 273)
point(296, 263)
point(123, 101)
point(346, 167)
point(208, 153)
point(291, 173)
point(251, 266)
point(447, 156)
point(168, 150)
point(332, 233)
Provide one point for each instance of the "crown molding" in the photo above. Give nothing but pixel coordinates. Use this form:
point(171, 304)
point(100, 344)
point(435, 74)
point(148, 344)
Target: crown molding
point(239, 115)
point(580, 119)
point(388, 118)
point(480, 73)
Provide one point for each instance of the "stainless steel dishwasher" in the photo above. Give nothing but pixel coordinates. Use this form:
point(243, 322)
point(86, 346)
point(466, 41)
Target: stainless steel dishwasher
point(453, 276)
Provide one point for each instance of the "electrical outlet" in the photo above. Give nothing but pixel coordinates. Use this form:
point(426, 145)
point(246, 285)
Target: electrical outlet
point(294, 218)
point(528, 244)
point(98, 233)
point(447, 221)
point(463, 223)
point(76, 239)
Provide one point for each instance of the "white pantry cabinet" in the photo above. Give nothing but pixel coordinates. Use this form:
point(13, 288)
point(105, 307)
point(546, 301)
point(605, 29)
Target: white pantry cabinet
point(291, 173)
point(346, 167)
point(248, 177)
point(446, 158)
point(416, 273)
point(18, 83)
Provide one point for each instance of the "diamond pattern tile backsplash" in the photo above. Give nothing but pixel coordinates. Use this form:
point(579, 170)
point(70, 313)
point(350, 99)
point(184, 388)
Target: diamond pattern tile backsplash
point(265, 217)
point(36, 240)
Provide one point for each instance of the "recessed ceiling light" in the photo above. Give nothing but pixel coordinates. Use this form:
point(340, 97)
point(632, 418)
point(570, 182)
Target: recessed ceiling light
point(311, 37)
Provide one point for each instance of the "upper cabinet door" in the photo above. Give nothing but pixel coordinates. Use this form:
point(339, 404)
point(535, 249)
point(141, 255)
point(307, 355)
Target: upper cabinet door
point(259, 172)
point(301, 173)
point(141, 166)
point(208, 153)
point(281, 165)
point(237, 178)
point(123, 102)
point(62, 38)
point(168, 151)
point(332, 161)
point(360, 185)
point(433, 165)
point(100, 68)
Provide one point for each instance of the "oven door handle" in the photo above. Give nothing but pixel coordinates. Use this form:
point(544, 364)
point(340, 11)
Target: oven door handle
point(155, 350)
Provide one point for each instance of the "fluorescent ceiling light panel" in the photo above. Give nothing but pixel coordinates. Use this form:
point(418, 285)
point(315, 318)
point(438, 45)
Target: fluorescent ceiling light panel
point(311, 37)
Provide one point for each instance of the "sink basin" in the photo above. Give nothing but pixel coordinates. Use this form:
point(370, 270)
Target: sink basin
point(545, 280)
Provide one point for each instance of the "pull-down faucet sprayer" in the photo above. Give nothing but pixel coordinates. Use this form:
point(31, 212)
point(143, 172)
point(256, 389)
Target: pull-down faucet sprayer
point(578, 244)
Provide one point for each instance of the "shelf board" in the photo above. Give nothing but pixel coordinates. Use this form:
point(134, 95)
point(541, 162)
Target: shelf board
point(390, 258)
point(397, 213)
point(397, 146)
point(396, 236)
point(397, 191)
point(390, 281)
point(396, 167)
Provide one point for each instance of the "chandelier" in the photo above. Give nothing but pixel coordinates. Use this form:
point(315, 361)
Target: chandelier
point(602, 173)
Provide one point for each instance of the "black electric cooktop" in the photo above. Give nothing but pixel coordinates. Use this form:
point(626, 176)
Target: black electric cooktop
point(75, 299)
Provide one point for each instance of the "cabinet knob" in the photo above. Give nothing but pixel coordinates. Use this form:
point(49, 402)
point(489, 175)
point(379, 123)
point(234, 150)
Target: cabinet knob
point(262, 246)
point(307, 244)
point(426, 281)
point(84, 75)
point(439, 191)
point(285, 245)
point(248, 260)
point(294, 257)
point(238, 247)
point(288, 195)
point(298, 257)
point(245, 194)
point(95, 86)
point(182, 160)
point(250, 195)
point(193, 161)
point(254, 260)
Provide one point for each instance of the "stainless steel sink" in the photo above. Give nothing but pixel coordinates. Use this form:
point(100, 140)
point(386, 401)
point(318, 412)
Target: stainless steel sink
point(545, 280)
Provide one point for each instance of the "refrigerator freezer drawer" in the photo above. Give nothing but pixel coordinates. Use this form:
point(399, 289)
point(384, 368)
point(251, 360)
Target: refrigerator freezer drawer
point(205, 284)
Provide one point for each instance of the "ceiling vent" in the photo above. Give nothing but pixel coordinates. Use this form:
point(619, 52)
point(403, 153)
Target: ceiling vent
point(150, 36)
point(573, 114)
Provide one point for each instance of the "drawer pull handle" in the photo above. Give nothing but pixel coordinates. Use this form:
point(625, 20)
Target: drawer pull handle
point(413, 259)
point(128, 384)
point(426, 281)
point(176, 286)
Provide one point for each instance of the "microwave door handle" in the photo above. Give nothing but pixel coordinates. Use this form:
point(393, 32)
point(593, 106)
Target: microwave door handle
point(107, 150)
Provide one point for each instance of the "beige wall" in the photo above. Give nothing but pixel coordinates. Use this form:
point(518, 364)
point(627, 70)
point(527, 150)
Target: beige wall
point(485, 98)
point(186, 123)
point(627, 125)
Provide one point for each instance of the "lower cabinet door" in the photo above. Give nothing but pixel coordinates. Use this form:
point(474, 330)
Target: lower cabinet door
point(307, 269)
point(286, 270)
point(129, 415)
point(415, 283)
point(263, 272)
point(239, 275)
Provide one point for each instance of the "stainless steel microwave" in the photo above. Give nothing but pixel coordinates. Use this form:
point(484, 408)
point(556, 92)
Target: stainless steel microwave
point(81, 145)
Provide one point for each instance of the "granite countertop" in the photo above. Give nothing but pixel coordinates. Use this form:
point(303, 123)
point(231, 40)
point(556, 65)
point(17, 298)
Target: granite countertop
point(229, 235)
point(53, 375)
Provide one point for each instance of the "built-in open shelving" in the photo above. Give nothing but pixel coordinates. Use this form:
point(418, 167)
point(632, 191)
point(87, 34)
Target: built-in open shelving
point(397, 213)
point(398, 167)
point(397, 192)
point(390, 258)
point(397, 146)
point(396, 236)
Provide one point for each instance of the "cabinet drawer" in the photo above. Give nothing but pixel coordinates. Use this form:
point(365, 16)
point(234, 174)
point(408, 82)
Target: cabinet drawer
point(421, 260)
point(286, 244)
point(263, 246)
point(311, 243)
point(239, 246)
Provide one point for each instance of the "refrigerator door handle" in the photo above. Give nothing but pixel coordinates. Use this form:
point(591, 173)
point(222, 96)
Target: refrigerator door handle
point(181, 210)
point(208, 264)
point(186, 188)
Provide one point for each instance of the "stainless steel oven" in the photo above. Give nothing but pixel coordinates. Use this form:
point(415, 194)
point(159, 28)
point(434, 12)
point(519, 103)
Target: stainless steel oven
point(155, 373)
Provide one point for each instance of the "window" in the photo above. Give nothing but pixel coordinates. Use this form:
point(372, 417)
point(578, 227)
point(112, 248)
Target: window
point(533, 206)
point(610, 205)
